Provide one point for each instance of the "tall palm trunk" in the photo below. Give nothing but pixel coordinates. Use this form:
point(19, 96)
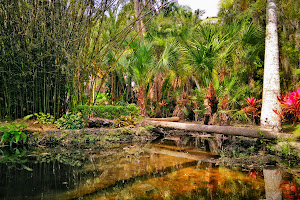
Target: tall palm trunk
point(142, 100)
point(271, 83)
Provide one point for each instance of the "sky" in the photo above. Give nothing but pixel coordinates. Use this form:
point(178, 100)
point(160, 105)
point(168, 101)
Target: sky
point(210, 6)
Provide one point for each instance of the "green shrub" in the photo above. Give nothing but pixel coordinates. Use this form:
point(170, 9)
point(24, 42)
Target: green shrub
point(108, 111)
point(133, 110)
point(13, 134)
point(70, 121)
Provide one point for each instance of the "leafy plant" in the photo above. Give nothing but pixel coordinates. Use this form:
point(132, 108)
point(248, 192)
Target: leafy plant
point(253, 108)
point(290, 106)
point(287, 150)
point(13, 134)
point(241, 116)
point(125, 121)
point(42, 118)
point(70, 121)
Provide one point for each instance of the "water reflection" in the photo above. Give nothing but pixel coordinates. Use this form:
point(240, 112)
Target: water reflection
point(273, 179)
point(151, 171)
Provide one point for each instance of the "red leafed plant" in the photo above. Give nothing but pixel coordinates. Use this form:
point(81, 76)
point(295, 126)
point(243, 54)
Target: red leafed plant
point(290, 106)
point(253, 108)
point(224, 104)
point(290, 190)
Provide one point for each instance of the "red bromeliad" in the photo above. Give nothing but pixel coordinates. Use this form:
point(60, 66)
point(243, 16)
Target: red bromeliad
point(253, 108)
point(251, 101)
point(290, 105)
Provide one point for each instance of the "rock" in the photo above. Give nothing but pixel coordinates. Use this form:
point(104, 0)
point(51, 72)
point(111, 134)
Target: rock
point(99, 122)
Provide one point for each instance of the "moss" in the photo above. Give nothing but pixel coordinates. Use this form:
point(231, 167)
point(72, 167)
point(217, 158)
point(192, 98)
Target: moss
point(89, 138)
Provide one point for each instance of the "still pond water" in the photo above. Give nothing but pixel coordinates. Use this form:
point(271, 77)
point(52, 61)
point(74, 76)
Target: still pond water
point(151, 171)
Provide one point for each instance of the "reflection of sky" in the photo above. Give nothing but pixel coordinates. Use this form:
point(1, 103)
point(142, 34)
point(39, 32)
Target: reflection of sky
point(210, 6)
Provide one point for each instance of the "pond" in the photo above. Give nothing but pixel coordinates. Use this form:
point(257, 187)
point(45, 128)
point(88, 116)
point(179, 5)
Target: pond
point(135, 171)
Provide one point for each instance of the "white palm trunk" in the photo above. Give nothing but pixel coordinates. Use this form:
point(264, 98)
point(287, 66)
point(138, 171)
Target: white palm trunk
point(271, 82)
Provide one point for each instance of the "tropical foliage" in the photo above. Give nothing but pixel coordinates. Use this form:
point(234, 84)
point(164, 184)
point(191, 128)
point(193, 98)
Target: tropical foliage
point(253, 108)
point(13, 134)
point(109, 111)
point(77, 55)
point(290, 106)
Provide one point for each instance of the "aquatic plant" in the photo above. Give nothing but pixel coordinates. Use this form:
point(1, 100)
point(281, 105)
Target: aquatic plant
point(253, 108)
point(13, 134)
point(290, 106)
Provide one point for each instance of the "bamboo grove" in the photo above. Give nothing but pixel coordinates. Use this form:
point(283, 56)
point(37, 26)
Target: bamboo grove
point(56, 55)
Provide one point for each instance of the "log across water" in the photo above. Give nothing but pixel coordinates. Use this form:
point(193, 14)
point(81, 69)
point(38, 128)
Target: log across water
point(226, 130)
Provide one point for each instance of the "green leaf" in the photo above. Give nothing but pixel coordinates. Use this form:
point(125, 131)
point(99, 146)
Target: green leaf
point(27, 168)
point(28, 117)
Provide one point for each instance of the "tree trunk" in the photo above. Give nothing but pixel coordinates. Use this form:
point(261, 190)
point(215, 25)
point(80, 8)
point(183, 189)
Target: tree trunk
point(211, 102)
point(168, 119)
point(141, 101)
point(182, 154)
point(226, 130)
point(271, 83)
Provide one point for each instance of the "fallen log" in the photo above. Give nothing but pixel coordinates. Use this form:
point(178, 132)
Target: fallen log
point(226, 130)
point(168, 119)
point(200, 156)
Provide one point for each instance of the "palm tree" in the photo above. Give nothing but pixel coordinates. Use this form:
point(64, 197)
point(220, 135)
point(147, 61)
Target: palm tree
point(203, 50)
point(271, 82)
point(141, 67)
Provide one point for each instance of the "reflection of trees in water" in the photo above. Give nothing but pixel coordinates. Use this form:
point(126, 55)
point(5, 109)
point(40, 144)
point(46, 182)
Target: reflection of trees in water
point(133, 173)
point(279, 186)
point(14, 158)
point(40, 172)
point(213, 173)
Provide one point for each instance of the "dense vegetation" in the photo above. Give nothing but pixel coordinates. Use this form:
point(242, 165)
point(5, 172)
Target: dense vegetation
point(57, 55)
